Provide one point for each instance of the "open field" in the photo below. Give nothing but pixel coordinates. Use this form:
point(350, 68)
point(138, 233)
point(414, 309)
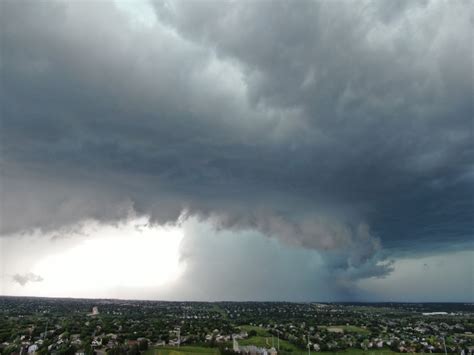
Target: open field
point(219, 310)
point(183, 350)
point(345, 329)
point(266, 342)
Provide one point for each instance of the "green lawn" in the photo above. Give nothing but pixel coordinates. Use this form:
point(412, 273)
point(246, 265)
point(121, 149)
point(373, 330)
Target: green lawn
point(346, 328)
point(264, 339)
point(218, 309)
point(266, 342)
point(260, 331)
point(355, 329)
point(183, 350)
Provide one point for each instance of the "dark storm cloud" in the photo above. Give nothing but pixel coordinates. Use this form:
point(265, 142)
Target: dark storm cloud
point(222, 265)
point(308, 121)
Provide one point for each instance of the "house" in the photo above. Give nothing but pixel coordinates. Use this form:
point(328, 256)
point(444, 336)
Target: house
point(32, 349)
point(132, 342)
point(241, 335)
point(95, 311)
point(174, 342)
point(96, 342)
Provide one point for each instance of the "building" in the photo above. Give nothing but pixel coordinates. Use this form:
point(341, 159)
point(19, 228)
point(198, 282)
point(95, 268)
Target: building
point(32, 349)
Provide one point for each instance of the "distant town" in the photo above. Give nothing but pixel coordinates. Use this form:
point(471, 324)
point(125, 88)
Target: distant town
point(83, 326)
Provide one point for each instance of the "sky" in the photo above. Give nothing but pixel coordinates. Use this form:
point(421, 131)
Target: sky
point(237, 150)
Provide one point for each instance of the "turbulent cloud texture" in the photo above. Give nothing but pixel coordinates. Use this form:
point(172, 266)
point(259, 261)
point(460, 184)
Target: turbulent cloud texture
point(344, 127)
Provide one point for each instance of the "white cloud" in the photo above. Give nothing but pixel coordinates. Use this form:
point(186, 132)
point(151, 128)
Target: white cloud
point(131, 254)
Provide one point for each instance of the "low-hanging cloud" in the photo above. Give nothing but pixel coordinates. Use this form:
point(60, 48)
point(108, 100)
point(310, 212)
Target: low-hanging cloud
point(23, 279)
point(319, 123)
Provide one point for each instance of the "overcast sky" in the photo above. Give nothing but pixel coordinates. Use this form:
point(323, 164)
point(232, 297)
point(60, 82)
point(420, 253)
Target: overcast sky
point(237, 150)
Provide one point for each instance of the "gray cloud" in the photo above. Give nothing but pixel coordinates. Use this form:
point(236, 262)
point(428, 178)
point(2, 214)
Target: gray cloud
point(223, 265)
point(307, 121)
point(23, 279)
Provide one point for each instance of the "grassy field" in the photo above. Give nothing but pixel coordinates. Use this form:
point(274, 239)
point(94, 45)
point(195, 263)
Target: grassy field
point(260, 331)
point(264, 339)
point(266, 342)
point(183, 350)
point(345, 329)
point(218, 309)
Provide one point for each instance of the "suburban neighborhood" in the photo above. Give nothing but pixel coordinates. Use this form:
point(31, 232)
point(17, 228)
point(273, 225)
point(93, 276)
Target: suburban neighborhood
point(80, 326)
